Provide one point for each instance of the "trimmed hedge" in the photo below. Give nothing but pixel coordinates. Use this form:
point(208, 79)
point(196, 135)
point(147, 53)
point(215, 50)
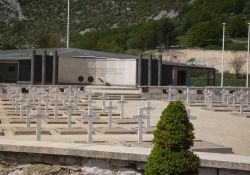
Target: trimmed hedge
point(173, 139)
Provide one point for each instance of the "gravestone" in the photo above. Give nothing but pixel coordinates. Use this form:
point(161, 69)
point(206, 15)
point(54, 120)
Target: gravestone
point(90, 116)
point(109, 108)
point(147, 108)
point(140, 116)
point(122, 102)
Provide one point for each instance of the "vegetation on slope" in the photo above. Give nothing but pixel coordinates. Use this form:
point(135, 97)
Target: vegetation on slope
point(127, 26)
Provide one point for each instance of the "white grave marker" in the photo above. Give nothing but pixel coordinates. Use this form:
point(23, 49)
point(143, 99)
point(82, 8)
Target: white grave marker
point(140, 118)
point(148, 108)
point(122, 102)
point(109, 108)
point(90, 116)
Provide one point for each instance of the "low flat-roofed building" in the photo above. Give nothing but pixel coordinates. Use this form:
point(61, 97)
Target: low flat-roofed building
point(78, 66)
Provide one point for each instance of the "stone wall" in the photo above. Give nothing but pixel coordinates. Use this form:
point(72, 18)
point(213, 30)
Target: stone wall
point(101, 165)
point(110, 158)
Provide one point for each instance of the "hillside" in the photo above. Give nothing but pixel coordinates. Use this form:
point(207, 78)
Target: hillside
point(31, 23)
point(49, 16)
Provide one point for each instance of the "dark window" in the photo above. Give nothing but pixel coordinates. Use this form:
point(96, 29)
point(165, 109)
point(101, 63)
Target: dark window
point(80, 78)
point(11, 69)
point(90, 79)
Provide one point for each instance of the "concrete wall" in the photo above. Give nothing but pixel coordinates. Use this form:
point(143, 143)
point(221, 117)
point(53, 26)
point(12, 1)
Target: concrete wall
point(212, 58)
point(100, 163)
point(113, 71)
point(110, 156)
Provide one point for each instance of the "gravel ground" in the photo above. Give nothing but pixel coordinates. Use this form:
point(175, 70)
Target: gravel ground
point(40, 169)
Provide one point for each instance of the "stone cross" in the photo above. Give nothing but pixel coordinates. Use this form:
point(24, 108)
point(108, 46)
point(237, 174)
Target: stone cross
point(21, 110)
point(90, 116)
point(32, 93)
point(77, 96)
point(50, 89)
point(28, 107)
point(169, 93)
point(76, 100)
point(205, 95)
point(39, 95)
point(148, 108)
point(188, 113)
point(227, 97)
point(70, 108)
point(55, 101)
point(223, 95)
point(233, 98)
point(103, 98)
point(46, 100)
point(140, 116)
point(241, 99)
point(187, 94)
point(210, 99)
point(109, 108)
point(38, 117)
point(20, 101)
point(64, 94)
point(13, 99)
point(90, 101)
point(122, 102)
point(247, 97)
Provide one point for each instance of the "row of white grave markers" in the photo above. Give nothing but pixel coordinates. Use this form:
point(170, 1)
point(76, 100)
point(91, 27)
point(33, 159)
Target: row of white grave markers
point(109, 108)
point(140, 117)
point(224, 94)
point(121, 102)
point(90, 116)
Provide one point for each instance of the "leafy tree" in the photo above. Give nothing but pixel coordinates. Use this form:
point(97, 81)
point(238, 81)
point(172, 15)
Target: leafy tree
point(108, 44)
point(203, 34)
point(144, 37)
point(172, 140)
point(237, 27)
point(166, 32)
point(86, 41)
point(237, 64)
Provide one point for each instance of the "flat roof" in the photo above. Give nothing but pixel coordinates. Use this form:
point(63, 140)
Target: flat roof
point(62, 52)
point(14, 55)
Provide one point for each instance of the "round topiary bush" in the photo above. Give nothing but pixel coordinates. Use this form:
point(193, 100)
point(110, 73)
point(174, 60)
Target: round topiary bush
point(173, 139)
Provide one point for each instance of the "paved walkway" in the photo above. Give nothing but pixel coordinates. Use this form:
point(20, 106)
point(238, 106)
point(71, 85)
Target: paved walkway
point(220, 128)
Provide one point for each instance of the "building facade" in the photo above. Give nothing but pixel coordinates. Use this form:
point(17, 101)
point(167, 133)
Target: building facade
point(76, 66)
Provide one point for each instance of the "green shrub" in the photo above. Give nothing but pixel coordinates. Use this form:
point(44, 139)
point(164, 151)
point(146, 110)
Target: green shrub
point(237, 27)
point(203, 34)
point(172, 140)
point(236, 46)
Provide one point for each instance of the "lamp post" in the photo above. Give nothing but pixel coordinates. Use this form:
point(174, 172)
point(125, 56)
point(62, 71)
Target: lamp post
point(248, 47)
point(222, 55)
point(68, 26)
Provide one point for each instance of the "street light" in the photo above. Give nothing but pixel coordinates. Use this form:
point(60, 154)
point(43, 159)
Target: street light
point(247, 84)
point(222, 55)
point(68, 26)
